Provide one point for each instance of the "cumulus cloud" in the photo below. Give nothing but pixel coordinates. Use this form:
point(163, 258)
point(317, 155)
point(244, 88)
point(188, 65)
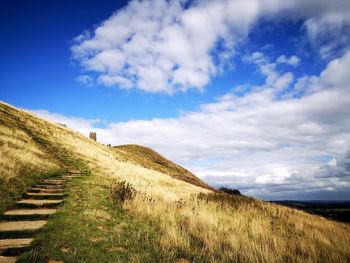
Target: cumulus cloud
point(168, 46)
point(274, 78)
point(292, 60)
point(329, 32)
point(111, 81)
point(337, 167)
point(79, 124)
point(265, 145)
point(85, 80)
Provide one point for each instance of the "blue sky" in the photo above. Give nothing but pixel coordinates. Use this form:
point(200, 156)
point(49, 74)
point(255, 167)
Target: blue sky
point(249, 95)
point(36, 51)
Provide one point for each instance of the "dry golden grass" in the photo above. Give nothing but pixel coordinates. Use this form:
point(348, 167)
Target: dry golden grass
point(148, 158)
point(99, 158)
point(244, 230)
point(22, 159)
point(210, 228)
point(19, 154)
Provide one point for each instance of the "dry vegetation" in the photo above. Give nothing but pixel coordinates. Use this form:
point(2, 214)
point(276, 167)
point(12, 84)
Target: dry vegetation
point(20, 154)
point(193, 222)
point(243, 230)
point(22, 160)
point(150, 159)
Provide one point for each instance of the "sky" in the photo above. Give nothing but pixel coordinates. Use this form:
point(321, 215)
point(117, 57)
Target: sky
point(252, 95)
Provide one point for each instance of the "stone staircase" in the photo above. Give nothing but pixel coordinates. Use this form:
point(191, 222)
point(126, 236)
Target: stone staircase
point(19, 225)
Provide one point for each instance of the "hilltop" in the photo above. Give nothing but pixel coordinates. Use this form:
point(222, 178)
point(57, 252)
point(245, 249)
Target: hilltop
point(150, 159)
point(167, 215)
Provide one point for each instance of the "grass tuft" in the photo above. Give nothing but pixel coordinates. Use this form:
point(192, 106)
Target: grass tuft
point(122, 191)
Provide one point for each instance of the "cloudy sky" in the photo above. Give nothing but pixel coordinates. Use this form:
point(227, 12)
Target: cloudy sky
point(247, 94)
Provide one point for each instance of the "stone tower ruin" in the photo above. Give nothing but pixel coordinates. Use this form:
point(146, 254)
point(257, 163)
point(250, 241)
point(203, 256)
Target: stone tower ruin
point(92, 136)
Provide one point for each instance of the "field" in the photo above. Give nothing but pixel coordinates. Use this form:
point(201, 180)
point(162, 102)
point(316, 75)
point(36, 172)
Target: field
point(170, 215)
point(336, 210)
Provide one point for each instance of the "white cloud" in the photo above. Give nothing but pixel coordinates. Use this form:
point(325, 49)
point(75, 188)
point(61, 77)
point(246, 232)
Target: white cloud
point(261, 144)
point(330, 32)
point(304, 85)
point(111, 81)
point(79, 124)
point(274, 78)
point(163, 46)
point(292, 60)
point(336, 75)
point(85, 80)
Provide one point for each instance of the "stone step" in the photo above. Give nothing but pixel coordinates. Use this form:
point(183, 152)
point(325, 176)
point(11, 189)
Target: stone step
point(68, 177)
point(56, 181)
point(28, 214)
point(15, 246)
point(49, 186)
point(8, 259)
point(20, 224)
point(20, 229)
point(76, 172)
point(52, 182)
point(46, 190)
point(33, 195)
point(34, 203)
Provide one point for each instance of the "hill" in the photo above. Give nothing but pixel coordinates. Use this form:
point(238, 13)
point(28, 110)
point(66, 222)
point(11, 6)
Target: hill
point(132, 207)
point(150, 159)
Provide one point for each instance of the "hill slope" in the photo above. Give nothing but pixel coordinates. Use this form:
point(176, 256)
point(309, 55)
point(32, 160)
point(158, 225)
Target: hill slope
point(164, 220)
point(150, 159)
point(30, 145)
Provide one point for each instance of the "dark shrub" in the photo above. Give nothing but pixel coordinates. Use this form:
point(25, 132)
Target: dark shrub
point(224, 199)
point(230, 191)
point(122, 191)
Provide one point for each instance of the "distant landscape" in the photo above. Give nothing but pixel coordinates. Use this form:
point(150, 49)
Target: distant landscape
point(334, 210)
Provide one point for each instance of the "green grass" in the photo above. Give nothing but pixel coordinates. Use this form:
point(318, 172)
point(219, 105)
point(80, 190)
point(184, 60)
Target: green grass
point(90, 228)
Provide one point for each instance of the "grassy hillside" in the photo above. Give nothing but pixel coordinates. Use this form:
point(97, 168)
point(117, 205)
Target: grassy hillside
point(150, 159)
point(22, 159)
point(164, 220)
